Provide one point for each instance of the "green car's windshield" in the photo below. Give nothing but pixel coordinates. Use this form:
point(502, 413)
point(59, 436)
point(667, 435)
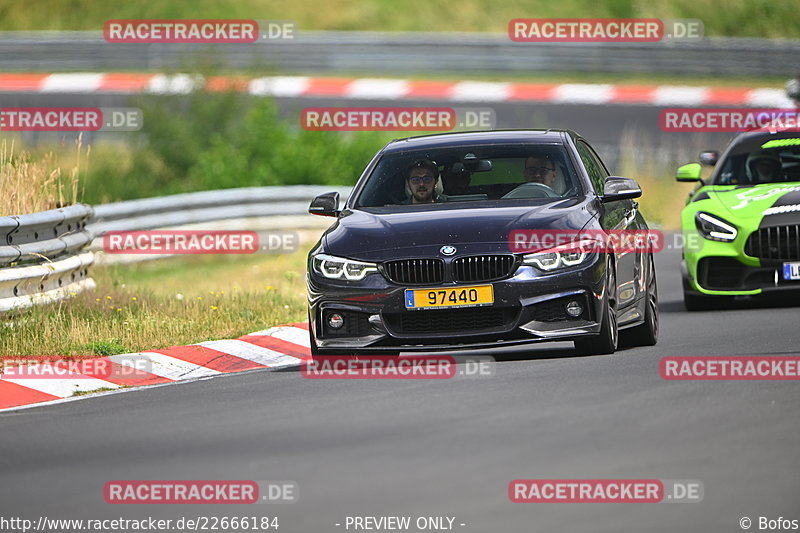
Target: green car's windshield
point(764, 160)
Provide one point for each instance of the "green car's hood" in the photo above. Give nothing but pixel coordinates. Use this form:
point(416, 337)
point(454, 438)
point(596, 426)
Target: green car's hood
point(742, 203)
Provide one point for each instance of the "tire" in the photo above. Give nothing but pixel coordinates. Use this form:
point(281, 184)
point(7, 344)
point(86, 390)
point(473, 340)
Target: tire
point(647, 334)
point(607, 341)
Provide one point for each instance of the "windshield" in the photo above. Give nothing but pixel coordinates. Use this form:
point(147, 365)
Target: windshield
point(509, 173)
point(765, 160)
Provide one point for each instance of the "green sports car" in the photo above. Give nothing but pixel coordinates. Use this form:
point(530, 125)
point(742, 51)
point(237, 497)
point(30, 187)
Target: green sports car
point(741, 226)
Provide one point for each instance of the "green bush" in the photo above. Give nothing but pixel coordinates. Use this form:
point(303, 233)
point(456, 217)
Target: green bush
point(223, 140)
point(264, 150)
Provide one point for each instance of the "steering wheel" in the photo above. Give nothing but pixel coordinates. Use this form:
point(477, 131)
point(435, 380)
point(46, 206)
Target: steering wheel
point(531, 190)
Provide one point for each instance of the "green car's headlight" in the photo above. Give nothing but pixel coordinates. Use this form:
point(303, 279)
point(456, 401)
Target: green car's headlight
point(714, 228)
point(333, 267)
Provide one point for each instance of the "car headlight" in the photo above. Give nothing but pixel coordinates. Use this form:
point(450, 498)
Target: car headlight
point(568, 255)
point(714, 228)
point(333, 267)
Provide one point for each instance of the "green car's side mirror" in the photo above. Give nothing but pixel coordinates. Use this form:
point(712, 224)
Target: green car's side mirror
point(690, 172)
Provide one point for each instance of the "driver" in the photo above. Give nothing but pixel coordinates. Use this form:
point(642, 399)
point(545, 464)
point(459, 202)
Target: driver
point(421, 182)
point(540, 169)
point(764, 167)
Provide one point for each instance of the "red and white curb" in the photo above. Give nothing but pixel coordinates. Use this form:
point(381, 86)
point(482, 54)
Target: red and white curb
point(277, 347)
point(398, 89)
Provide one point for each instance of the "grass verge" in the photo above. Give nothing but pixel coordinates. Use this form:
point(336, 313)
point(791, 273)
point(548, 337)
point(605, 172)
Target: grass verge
point(31, 184)
point(163, 303)
point(740, 18)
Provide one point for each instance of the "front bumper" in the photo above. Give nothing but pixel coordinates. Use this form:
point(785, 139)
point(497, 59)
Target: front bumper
point(528, 307)
point(719, 268)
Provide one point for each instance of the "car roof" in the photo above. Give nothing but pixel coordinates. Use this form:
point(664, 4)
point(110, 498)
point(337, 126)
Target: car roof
point(761, 134)
point(445, 140)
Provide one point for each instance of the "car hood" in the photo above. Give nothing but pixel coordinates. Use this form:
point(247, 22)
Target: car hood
point(757, 202)
point(421, 231)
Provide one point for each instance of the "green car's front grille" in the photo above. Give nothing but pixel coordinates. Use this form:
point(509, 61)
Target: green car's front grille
point(776, 243)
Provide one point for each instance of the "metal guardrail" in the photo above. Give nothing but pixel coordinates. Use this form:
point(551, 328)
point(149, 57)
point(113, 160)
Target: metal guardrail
point(317, 51)
point(41, 258)
point(206, 206)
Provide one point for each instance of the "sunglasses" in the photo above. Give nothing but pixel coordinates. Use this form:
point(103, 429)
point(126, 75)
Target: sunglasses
point(538, 170)
point(416, 180)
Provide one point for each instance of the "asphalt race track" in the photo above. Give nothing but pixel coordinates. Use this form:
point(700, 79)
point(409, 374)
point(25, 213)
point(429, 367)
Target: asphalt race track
point(444, 447)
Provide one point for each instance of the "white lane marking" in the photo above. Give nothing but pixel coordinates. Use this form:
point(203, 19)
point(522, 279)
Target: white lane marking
point(377, 88)
point(775, 98)
point(286, 86)
point(680, 95)
point(291, 334)
point(251, 352)
point(64, 386)
point(583, 93)
point(477, 91)
point(177, 84)
point(163, 365)
point(78, 82)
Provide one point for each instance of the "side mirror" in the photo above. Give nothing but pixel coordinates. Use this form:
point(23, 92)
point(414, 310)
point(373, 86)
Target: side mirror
point(617, 188)
point(709, 158)
point(690, 172)
point(326, 205)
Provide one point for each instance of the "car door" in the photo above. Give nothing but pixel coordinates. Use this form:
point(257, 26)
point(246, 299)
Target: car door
point(614, 216)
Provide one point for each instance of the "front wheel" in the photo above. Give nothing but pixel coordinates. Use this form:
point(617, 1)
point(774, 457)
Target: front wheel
point(606, 342)
point(647, 333)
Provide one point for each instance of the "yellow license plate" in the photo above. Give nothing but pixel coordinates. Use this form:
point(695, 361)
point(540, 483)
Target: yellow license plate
point(451, 297)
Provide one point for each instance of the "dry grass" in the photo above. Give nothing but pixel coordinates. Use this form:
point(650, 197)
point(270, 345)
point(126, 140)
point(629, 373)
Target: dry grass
point(29, 184)
point(163, 303)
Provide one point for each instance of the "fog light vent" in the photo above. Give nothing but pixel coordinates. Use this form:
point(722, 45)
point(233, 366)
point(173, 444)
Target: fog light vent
point(574, 308)
point(335, 320)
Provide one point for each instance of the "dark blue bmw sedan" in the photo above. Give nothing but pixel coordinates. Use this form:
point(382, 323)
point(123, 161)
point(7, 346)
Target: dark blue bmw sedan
point(425, 253)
